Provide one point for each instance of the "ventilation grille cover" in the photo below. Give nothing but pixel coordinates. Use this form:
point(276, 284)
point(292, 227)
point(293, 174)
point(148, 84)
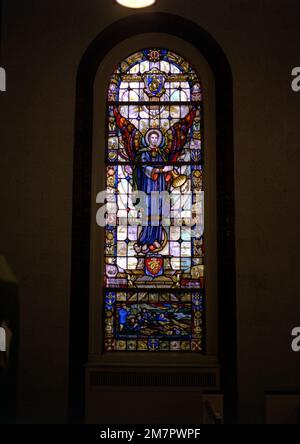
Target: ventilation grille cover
point(204, 380)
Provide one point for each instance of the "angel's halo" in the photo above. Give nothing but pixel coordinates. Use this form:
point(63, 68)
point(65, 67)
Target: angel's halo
point(156, 131)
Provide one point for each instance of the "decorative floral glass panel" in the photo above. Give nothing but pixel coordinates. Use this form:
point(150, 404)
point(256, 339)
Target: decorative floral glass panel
point(154, 243)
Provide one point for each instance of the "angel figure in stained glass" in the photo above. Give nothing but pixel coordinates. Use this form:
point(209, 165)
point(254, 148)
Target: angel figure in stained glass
point(147, 155)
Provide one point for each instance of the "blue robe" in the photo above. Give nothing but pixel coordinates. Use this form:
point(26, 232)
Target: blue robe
point(147, 184)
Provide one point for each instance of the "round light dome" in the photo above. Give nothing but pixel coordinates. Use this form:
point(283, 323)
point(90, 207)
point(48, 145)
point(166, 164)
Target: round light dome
point(136, 3)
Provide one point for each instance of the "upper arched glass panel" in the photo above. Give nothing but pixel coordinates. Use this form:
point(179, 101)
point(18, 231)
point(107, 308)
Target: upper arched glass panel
point(155, 75)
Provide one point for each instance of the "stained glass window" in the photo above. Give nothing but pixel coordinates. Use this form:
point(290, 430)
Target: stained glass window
point(154, 242)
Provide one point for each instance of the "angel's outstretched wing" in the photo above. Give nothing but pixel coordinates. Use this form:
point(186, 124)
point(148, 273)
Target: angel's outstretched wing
point(177, 134)
point(131, 136)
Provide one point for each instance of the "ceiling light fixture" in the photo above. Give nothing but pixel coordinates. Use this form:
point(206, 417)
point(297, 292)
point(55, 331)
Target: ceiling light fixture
point(136, 3)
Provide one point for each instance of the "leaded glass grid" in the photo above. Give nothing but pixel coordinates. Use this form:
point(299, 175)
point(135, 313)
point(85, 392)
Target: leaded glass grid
point(154, 274)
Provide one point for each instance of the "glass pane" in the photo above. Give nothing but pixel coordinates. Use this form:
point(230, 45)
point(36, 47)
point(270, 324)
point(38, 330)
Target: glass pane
point(154, 240)
point(162, 321)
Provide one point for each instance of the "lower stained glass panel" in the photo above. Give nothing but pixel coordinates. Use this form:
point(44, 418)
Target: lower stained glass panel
point(143, 321)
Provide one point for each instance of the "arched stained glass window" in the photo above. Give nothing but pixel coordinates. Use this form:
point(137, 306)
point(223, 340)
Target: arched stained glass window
point(154, 243)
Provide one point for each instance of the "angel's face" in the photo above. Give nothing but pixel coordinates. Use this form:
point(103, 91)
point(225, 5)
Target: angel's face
point(153, 139)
